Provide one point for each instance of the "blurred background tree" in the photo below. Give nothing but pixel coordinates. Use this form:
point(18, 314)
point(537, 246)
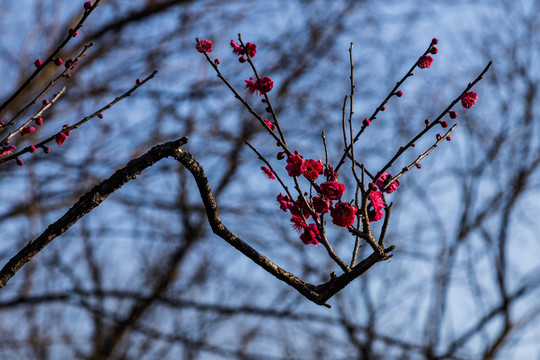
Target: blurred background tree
point(143, 277)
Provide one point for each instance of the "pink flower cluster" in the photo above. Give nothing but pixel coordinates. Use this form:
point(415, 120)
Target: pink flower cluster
point(204, 46)
point(262, 85)
point(425, 61)
point(469, 99)
point(343, 214)
point(383, 180)
point(376, 206)
point(249, 49)
point(299, 214)
point(311, 169)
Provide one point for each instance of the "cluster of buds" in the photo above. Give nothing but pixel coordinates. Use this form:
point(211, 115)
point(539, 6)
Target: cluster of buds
point(425, 60)
point(248, 49)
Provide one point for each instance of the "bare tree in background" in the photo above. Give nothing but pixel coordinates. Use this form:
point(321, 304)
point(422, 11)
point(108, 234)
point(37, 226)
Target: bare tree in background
point(143, 277)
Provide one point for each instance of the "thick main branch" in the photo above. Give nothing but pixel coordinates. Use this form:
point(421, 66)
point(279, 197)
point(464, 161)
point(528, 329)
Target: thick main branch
point(319, 294)
point(87, 203)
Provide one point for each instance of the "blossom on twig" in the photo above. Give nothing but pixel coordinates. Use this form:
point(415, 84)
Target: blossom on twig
point(332, 189)
point(267, 172)
point(294, 164)
point(424, 61)
point(343, 214)
point(311, 235)
point(204, 46)
point(469, 99)
point(311, 169)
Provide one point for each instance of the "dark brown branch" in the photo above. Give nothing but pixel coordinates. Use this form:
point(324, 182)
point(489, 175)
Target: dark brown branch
point(319, 294)
point(87, 203)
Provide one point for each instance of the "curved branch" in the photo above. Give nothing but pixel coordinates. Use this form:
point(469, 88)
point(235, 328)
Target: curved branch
point(319, 294)
point(86, 204)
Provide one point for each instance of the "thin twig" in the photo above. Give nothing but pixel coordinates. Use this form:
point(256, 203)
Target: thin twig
point(51, 56)
point(37, 115)
point(82, 121)
point(343, 117)
point(285, 187)
point(244, 102)
point(326, 164)
point(266, 97)
point(42, 93)
point(435, 122)
point(420, 157)
point(382, 235)
point(374, 115)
